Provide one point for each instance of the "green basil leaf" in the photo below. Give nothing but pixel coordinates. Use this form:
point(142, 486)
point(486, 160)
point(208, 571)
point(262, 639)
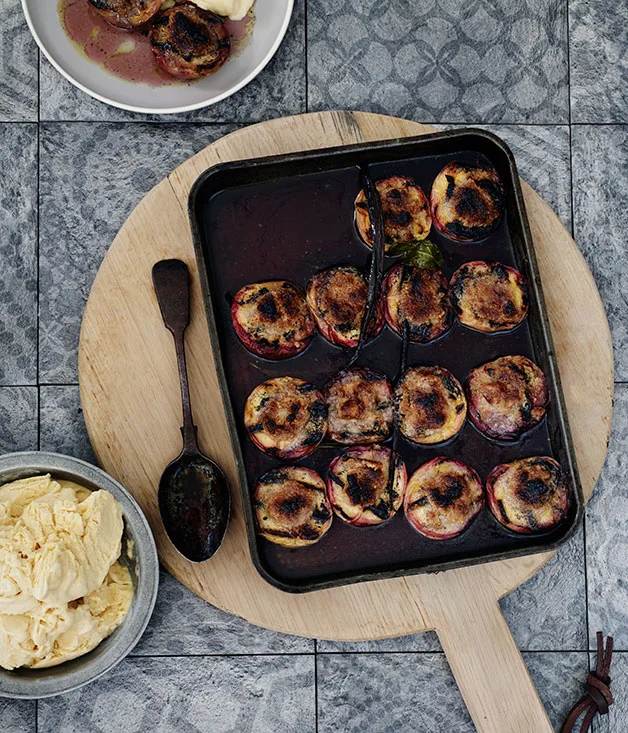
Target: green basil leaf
point(426, 255)
point(401, 248)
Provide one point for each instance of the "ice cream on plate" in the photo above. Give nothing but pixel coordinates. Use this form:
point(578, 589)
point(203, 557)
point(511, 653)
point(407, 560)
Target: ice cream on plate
point(232, 9)
point(62, 589)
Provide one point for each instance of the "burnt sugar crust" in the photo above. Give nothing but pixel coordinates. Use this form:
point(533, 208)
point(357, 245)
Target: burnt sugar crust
point(467, 201)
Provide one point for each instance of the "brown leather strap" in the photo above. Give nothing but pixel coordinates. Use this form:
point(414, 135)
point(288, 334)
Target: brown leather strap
point(598, 695)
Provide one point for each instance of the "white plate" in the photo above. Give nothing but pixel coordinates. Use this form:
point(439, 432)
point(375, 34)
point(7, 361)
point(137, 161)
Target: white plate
point(272, 18)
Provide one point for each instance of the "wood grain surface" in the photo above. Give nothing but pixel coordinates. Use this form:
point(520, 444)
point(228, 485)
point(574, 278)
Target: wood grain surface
point(130, 397)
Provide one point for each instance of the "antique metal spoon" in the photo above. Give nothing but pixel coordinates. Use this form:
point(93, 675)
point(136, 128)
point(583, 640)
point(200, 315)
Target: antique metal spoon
point(194, 498)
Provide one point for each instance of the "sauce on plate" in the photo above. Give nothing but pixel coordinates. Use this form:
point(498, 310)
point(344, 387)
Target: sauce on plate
point(128, 54)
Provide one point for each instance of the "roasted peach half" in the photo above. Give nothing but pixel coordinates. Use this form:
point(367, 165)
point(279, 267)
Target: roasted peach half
point(360, 406)
point(272, 319)
point(286, 417)
point(467, 201)
point(489, 296)
point(359, 487)
point(528, 495)
point(418, 298)
point(291, 506)
point(337, 300)
point(431, 404)
point(188, 42)
point(507, 397)
point(405, 209)
point(442, 498)
point(127, 14)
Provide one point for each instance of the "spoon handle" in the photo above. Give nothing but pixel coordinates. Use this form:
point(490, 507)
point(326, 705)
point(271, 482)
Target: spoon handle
point(171, 281)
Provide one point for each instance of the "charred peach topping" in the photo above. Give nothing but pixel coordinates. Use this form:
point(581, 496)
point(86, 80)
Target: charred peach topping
point(337, 300)
point(467, 201)
point(507, 397)
point(431, 404)
point(360, 406)
point(272, 319)
point(359, 486)
point(489, 296)
point(291, 506)
point(442, 498)
point(286, 417)
point(418, 298)
point(127, 14)
point(188, 42)
point(405, 209)
point(528, 495)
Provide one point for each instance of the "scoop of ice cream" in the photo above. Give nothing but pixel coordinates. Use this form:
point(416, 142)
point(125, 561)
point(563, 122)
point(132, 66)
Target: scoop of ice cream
point(55, 545)
point(50, 635)
point(232, 9)
point(61, 591)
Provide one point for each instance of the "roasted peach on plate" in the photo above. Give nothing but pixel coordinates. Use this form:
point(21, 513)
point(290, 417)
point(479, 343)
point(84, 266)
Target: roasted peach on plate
point(442, 498)
point(431, 404)
point(188, 42)
point(528, 495)
point(507, 397)
point(360, 406)
point(291, 506)
point(337, 298)
point(405, 209)
point(272, 319)
point(360, 488)
point(127, 14)
point(489, 296)
point(418, 298)
point(286, 417)
point(467, 201)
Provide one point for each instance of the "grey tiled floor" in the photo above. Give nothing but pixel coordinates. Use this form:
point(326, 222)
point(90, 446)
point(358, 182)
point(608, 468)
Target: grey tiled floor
point(550, 76)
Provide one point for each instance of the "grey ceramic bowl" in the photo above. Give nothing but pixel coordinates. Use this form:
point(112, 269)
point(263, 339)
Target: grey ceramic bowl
point(144, 567)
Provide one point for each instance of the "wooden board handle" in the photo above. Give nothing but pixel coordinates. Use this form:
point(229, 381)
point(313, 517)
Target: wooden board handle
point(484, 658)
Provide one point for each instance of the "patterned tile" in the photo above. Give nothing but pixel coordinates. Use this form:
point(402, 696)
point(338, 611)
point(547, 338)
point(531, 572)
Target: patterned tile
point(92, 176)
point(549, 611)
point(278, 91)
point(598, 37)
point(204, 695)
point(378, 693)
point(17, 716)
point(183, 623)
point(62, 428)
point(559, 679)
point(18, 419)
point(615, 721)
point(600, 190)
point(405, 693)
point(18, 253)
point(440, 60)
point(607, 536)
point(18, 66)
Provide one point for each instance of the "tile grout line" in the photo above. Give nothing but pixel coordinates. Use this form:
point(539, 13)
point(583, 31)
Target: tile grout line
point(305, 49)
point(245, 123)
point(567, 27)
point(573, 232)
point(37, 249)
point(317, 654)
point(316, 685)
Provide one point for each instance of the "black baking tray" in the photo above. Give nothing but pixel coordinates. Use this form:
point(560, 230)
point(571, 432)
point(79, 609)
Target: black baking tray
point(288, 216)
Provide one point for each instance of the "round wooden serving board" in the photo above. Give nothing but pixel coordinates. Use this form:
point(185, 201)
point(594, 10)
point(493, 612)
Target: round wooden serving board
point(130, 396)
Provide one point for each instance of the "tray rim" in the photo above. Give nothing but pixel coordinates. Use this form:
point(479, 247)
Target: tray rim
point(545, 327)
